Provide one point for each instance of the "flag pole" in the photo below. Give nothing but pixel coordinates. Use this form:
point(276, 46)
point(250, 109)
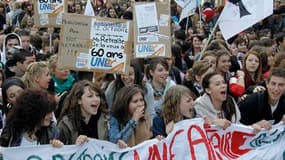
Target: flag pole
point(200, 16)
point(209, 38)
point(50, 38)
point(50, 42)
point(186, 28)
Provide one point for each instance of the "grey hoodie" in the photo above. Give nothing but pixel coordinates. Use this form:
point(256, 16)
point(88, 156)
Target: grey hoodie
point(204, 106)
point(3, 54)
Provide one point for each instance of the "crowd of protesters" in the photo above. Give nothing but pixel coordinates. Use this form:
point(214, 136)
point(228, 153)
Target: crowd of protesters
point(241, 80)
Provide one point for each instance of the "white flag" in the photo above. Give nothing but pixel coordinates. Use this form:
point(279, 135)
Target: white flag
point(89, 9)
point(188, 9)
point(239, 15)
point(180, 3)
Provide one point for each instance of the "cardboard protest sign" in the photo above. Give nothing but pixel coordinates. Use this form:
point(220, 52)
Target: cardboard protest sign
point(48, 12)
point(152, 29)
point(95, 44)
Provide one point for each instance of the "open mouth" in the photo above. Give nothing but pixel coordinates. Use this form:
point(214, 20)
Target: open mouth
point(94, 106)
point(223, 92)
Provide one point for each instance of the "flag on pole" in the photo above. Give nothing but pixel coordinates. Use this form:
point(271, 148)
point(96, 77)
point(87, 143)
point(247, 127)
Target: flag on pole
point(181, 3)
point(239, 15)
point(188, 8)
point(89, 11)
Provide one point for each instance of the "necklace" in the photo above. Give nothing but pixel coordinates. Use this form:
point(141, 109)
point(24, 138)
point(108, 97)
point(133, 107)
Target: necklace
point(158, 93)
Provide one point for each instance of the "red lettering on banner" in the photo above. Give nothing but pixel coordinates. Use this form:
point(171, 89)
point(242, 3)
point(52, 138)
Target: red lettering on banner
point(217, 145)
point(136, 155)
point(154, 152)
point(203, 140)
point(229, 143)
point(227, 147)
point(171, 155)
point(238, 140)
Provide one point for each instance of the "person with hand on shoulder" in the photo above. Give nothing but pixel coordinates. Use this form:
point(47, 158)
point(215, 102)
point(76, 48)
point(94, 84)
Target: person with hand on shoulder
point(262, 109)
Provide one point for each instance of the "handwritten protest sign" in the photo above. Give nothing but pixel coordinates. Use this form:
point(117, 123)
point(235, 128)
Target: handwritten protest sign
point(89, 44)
point(190, 139)
point(152, 29)
point(48, 12)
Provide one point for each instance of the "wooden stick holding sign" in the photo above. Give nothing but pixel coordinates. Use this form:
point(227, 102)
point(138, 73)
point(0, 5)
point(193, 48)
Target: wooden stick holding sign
point(208, 40)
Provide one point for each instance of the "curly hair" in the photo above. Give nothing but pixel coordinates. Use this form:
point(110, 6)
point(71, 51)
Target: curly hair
point(30, 109)
point(120, 108)
point(71, 106)
point(171, 103)
point(33, 71)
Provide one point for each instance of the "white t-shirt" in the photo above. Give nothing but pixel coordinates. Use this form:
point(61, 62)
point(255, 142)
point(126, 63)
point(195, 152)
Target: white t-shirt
point(26, 142)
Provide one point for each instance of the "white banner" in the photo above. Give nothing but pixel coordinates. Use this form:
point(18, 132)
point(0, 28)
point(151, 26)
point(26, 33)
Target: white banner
point(190, 139)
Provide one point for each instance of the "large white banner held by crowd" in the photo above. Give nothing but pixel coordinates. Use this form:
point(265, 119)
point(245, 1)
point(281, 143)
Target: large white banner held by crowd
point(190, 139)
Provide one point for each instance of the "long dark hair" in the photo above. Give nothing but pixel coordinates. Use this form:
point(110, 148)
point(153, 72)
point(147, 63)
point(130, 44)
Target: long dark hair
point(120, 108)
point(228, 105)
point(71, 106)
point(118, 83)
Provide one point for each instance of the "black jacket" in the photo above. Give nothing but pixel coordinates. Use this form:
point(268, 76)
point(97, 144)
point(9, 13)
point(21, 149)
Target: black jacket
point(45, 134)
point(256, 108)
point(190, 85)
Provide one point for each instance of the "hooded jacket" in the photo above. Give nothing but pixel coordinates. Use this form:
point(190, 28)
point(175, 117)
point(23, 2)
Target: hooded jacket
point(204, 106)
point(3, 54)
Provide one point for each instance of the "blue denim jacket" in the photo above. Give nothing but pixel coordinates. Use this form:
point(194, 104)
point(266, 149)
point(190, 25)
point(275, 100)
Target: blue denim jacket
point(119, 131)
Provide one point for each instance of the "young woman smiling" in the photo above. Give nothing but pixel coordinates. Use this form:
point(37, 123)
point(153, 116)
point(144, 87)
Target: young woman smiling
point(249, 77)
point(84, 114)
point(159, 82)
point(134, 76)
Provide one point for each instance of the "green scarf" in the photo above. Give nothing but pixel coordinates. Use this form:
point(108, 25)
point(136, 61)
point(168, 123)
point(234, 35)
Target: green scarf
point(61, 86)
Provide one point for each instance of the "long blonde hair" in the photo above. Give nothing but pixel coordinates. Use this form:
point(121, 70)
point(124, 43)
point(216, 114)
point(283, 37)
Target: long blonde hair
point(171, 103)
point(34, 70)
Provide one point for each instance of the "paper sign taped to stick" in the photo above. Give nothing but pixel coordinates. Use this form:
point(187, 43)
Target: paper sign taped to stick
point(48, 12)
point(152, 29)
point(95, 43)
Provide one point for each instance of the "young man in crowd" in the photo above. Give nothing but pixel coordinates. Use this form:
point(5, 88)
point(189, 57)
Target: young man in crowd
point(19, 62)
point(262, 109)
